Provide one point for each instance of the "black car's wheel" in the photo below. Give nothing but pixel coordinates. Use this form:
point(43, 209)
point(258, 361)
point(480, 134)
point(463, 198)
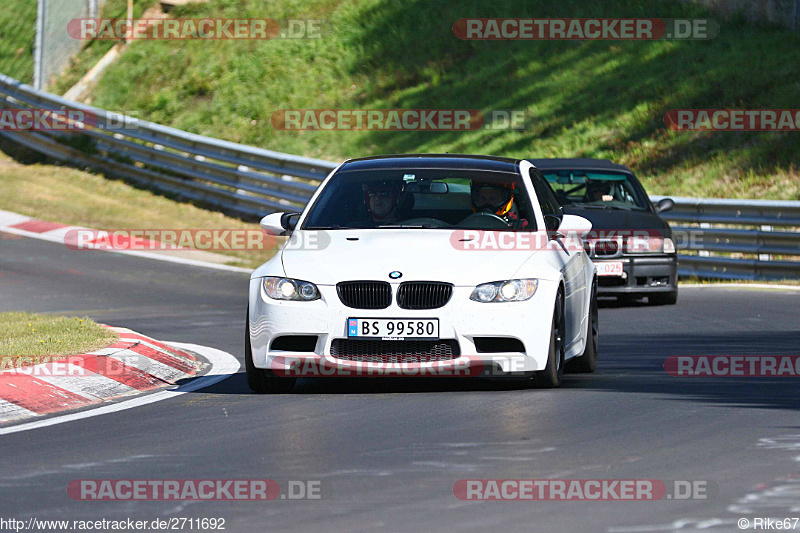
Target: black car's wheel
point(587, 362)
point(663, 298)
point(260, 380)
point(553, 372)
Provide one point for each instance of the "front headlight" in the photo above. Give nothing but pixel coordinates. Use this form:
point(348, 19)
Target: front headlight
point(645, 244)
point(514, 290)
point(290, 289)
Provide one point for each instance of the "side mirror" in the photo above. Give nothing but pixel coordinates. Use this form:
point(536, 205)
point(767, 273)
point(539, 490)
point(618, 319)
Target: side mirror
point(279, 223)
point(289, 221)
point(575, 224)
point(665, 204)
point(551, 224)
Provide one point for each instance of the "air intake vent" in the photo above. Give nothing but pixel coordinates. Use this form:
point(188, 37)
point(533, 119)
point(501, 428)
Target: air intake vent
point(395, 351)
point(423, 294)
point(365, 294)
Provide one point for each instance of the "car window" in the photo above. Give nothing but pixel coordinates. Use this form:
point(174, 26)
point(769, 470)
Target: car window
point(596, 189)
point(422, 198)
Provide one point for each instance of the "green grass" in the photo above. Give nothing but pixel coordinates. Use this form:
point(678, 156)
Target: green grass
point(17, 33)
point(583, 99)
point(30, 338)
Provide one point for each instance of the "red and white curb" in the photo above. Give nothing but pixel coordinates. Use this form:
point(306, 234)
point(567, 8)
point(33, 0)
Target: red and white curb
point(35, 228)
point(132, 365)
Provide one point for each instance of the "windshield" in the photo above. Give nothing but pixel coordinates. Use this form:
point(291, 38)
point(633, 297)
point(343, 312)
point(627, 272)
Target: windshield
point(607, 190)
point(422, 198)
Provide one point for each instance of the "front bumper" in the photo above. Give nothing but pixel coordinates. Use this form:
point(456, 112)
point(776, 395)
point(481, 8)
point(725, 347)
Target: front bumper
point(641, 275)
point(461, 319)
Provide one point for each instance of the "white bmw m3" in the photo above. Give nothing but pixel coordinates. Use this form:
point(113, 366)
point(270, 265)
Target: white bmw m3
point(424, 265)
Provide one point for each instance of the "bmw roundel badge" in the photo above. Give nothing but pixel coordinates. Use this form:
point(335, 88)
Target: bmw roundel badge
point(395, 274)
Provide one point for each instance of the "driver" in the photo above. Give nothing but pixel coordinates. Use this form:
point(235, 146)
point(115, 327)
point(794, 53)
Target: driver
point(598, 191)
point(498, 199)
point(381, 200)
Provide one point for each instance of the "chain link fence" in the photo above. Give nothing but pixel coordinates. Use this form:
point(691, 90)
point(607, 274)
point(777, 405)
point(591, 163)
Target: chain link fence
point(54, 46)
point(17, 36)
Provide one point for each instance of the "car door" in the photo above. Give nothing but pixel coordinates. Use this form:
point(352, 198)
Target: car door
point(571, 261)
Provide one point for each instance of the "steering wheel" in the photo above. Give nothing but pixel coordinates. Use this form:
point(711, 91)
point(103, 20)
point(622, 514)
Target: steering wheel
point(483, 220)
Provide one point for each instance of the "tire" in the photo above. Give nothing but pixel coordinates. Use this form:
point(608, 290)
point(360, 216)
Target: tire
point(553, 372)
point(587, 362)
point(663, 298)
point(262, 381)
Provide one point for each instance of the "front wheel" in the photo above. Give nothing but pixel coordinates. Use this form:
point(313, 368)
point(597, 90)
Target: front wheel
point(260, 380)
point(553, 372)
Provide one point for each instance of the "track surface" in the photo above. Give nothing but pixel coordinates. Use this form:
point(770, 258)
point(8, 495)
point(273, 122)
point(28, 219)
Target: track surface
point(388, 452)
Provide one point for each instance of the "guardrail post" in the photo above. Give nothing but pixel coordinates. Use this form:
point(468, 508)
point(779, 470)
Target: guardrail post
point(764, 257)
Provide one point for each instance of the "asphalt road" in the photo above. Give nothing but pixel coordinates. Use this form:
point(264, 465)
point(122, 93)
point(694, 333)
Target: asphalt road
point(388, 453)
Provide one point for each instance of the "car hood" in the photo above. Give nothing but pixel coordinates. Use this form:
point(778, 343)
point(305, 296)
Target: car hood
point(419, 254)
point(619, 219)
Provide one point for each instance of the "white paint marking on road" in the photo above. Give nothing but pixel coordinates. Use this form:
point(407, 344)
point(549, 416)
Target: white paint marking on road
point(734, 285)
point(223, 366)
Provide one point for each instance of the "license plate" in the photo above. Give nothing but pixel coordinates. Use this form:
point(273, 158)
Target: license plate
point(393, 328)
point(609, 268)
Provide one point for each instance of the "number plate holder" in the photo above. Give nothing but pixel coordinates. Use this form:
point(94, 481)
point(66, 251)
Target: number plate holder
point(391, 328)
point(609, 268)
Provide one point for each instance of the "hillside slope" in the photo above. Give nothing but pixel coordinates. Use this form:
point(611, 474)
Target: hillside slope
point(591, 99)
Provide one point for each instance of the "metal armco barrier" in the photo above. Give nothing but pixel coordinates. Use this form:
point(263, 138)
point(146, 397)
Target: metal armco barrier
point(702, 226)
point(243, 180)
point(250, 181)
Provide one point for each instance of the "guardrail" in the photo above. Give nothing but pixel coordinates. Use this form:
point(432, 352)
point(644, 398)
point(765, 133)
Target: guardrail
point(240, 179)
point(740, 229)
point(250, 181)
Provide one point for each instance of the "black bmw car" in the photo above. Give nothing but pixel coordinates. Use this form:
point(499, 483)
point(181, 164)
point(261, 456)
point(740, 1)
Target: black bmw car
point(630, 244)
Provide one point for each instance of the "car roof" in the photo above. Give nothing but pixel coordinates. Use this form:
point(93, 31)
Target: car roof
point(579, 164)
point(443, 161)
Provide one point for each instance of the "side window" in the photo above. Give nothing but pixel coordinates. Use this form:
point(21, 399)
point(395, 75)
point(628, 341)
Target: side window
point(547, 200)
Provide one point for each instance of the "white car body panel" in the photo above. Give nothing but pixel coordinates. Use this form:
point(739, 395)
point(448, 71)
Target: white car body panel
point(425, 255)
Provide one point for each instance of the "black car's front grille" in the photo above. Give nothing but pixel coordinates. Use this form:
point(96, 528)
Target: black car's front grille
point(365, 294)
point(423, 294)
point(376, 351)
point(606, 248)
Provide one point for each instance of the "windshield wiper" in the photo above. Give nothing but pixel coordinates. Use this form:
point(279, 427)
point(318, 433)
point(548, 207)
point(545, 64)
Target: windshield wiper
point(335, 226)
point(606, 206)
point(409, 226)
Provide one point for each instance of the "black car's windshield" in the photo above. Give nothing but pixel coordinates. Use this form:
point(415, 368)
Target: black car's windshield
point(422, 198)
point(603, 190)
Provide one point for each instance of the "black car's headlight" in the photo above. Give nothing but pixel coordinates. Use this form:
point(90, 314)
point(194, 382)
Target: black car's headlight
point(290, 289)
point(649, 245)
point(514, 290)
